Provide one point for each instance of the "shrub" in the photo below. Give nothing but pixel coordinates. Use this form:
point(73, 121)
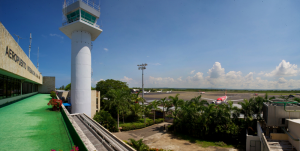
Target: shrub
point(106, 120)
point(159, 120)
point(53, 94)
point(221, 143)
point(132, 126)
point(55, 103)
point(171, 128)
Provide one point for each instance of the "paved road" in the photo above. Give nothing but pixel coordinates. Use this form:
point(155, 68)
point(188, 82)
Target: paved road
point(142, 133)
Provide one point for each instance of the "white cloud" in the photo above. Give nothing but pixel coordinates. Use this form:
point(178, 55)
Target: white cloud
point(126, 79)
point(105, 49)
point(249, 76)
point(56, 35)
point(284, 69)
point(216, 71)
point(192, 72)
point(282, 80)
point(261, 73)
point(179, 79)
point(197, 77)
point(234, 75)
point(94, 82)
point(156, 64)
point(217, 78)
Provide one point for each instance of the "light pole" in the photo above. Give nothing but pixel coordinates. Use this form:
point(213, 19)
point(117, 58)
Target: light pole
point(143, 67)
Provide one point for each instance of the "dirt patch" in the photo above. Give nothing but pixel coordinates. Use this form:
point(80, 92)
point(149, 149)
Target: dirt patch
point(170, 142)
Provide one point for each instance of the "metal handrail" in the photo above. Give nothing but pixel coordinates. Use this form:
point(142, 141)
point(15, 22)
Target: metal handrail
point(286, 132)
point(89, 3)
point(104, 135)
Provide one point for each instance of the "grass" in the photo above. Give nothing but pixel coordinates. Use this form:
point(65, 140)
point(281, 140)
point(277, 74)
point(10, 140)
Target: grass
point(208, 143)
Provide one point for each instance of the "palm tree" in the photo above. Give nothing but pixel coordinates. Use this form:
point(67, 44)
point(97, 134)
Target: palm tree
point(118, 98)
point(246, 108)
point(233, 110)
point(154, 105)
point(177, 103)
point(208, 116)
point(138, 145)
point(124, 110)
point(164, 103)
point(135, 97)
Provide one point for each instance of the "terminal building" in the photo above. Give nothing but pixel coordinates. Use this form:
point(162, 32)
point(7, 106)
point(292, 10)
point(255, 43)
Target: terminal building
point(24, 94)
point(19, 78)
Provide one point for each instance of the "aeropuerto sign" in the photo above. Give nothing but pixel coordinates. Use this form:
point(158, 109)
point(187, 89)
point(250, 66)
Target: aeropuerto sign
point(12, 55)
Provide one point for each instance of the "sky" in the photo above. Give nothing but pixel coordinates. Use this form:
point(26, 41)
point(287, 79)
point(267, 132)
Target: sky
point(230, 44)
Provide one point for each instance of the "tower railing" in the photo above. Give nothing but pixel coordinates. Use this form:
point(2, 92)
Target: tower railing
point(90, 3)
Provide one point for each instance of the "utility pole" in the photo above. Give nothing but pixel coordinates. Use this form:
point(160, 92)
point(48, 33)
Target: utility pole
point(143, 67)
point(18, 37)
point(38, 58)
point(29, 45)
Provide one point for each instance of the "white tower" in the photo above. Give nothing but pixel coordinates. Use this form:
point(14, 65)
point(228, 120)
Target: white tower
point(81, 28)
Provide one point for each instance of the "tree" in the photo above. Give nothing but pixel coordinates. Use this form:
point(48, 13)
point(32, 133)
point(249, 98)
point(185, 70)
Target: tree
point(246, 108)
point(117, 99)
point(176, 102)
point(68, 87)
point(164, 103)
point(154, 105)
point(106, 120)
point(135, 97)
point(105, 86)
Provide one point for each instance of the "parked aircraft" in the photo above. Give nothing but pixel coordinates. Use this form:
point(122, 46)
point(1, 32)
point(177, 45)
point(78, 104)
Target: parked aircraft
point(147, 91)
point(221, 100)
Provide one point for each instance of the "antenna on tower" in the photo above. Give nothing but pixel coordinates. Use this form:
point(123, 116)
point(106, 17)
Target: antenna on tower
point(30, 45)
point(18, 37)
point(38, 58)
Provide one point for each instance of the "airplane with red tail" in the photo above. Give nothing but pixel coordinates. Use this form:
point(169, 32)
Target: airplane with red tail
point(221, 100)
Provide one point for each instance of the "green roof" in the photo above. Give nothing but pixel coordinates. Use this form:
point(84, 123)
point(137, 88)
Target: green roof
point(29, 124)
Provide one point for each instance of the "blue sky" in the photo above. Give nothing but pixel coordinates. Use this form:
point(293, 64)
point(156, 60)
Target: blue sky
point(189, 44)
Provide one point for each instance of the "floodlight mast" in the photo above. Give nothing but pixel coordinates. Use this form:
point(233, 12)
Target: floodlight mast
point(143, 67)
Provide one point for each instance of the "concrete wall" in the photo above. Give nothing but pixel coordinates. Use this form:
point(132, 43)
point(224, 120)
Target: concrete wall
point(294, 130)
point(7, 100)
point(95, 102)
point(277, 113)
point(251, 141)
point(14, 61)
point(64, 94)
point(48, 85)
point(279, 136)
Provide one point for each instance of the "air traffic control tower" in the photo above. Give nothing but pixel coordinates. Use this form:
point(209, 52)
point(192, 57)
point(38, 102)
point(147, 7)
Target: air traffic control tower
point(81, 28)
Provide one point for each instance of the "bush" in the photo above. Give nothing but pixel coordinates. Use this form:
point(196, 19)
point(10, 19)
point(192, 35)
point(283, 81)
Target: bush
point(171, 128)
point(221, 143)
point(106, 120)
point(139, 124)
point(132, 126)
point(159, 120)
point(53, 94)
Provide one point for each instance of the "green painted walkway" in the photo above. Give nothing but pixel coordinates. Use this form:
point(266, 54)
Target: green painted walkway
point(30, 124)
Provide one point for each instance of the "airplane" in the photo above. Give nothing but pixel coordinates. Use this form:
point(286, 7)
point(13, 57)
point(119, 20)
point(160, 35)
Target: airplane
point(147, 91)
point(221, 100)
point(169, 91)
point(201, 92)
point(159, 91)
